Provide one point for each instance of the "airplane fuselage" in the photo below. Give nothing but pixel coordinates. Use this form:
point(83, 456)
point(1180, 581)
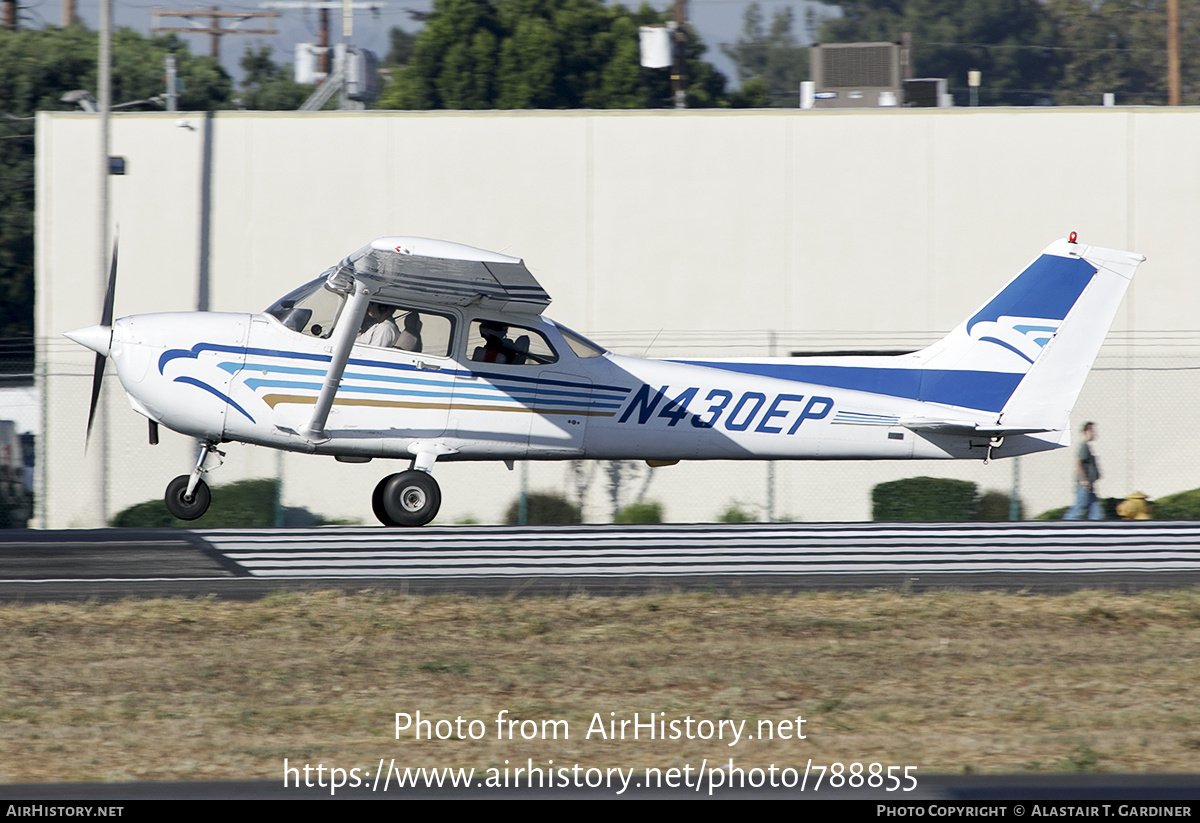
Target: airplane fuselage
point(248, 378)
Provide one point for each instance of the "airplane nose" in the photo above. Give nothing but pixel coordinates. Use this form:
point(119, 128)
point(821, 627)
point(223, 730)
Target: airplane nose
point(96, 338)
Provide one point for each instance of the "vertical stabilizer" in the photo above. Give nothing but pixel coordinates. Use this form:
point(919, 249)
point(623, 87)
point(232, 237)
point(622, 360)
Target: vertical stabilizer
point(1035, 340)
point(1050, 389)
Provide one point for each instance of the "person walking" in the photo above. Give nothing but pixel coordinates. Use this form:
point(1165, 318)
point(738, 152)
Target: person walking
point(1087, 472)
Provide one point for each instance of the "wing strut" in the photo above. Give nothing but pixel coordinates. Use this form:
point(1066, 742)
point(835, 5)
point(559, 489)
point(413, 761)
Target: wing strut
point(343, 340)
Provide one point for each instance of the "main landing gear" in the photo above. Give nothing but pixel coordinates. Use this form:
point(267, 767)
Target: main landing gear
point(410, 498)
point(187, 495)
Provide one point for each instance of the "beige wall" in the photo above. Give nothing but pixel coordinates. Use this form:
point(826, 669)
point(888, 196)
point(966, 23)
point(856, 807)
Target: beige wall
point(714, 233)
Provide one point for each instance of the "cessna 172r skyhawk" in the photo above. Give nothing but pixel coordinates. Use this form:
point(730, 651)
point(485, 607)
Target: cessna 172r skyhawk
point(427, 350)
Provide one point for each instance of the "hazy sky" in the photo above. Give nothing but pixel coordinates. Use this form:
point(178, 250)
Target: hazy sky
point(718, 21)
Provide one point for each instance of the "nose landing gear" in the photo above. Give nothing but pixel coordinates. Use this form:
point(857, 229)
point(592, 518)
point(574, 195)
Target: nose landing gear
point(188, 496)
point(184, 506)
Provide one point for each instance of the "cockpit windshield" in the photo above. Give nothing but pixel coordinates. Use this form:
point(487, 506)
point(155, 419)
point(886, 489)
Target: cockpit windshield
point(312, 309)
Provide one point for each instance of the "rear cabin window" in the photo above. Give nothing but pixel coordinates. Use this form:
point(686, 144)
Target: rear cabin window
point(492, 341)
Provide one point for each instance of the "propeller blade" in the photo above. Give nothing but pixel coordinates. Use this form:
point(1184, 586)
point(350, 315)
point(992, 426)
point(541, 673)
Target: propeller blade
point(106, 323)
point(106, 317)
point(97, 377)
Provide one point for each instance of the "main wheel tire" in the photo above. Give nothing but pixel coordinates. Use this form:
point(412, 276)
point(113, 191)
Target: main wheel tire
point(182, 508)
point(377, 501)
point(411, 498)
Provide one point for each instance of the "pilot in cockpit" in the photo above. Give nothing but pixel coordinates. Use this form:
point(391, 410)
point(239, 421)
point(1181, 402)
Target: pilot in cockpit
point(495, 348)
point(379, 329)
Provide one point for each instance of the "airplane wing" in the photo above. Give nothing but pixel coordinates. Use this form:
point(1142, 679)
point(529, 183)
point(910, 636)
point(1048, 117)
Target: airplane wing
point(435, 271)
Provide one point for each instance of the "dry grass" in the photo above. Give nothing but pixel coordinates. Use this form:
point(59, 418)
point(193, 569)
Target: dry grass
point(952, 682)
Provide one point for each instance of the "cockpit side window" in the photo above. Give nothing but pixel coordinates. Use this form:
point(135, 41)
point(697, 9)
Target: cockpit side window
point(410, 329)
point(492, 341)
point(311, 309)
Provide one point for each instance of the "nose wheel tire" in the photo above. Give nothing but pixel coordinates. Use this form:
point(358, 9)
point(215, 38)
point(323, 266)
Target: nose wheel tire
point(177, 503)
point(410, 498)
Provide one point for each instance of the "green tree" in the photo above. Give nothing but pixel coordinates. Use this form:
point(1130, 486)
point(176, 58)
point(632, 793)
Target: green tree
point(37, 67)
point(138, 71)
point(770, 56)
point(268, 86)
point(552, 54)
point(441, 72)
point(401, 47)
point(1119, 46)
point(1074, 50)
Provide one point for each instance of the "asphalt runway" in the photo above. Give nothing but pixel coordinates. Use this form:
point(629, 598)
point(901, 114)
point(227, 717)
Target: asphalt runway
point(603, 560)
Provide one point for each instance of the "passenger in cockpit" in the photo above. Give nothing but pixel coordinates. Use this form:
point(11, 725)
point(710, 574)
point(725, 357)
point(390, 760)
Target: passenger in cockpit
point(410, 338)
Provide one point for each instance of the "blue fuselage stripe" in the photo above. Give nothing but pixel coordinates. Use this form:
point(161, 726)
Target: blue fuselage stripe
point(988, 391)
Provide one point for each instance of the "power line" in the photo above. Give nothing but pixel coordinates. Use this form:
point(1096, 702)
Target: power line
point(214, 28)
point(919, 43)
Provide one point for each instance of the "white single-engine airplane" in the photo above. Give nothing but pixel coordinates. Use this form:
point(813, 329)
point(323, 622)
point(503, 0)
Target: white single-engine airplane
point(427, 350)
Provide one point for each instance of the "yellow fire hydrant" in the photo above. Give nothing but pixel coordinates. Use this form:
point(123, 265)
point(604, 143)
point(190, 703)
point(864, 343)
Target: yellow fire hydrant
point(1136, 506)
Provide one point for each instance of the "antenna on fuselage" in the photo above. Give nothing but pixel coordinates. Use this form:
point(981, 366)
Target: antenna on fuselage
point(650, 345)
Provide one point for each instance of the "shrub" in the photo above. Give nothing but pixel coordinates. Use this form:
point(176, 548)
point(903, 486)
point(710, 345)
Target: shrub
point(645, 512)
point(924, 499)
point(1053, 514)
point(543, 509)
point(996, 506)
point(241, 505)
point(735, 514)
point(1178, 506)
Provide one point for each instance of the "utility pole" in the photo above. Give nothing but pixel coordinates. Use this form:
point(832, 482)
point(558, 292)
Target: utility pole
point(1173, 53)
point(96, 460)
point(171, 65)
point(8, 15)
point(215, 16)
point(324, 65)
point(68, 13)
point(323, 6)
point(679, 70)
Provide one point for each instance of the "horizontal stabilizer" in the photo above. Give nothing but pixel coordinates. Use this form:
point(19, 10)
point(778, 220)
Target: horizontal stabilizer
point(964, 427)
